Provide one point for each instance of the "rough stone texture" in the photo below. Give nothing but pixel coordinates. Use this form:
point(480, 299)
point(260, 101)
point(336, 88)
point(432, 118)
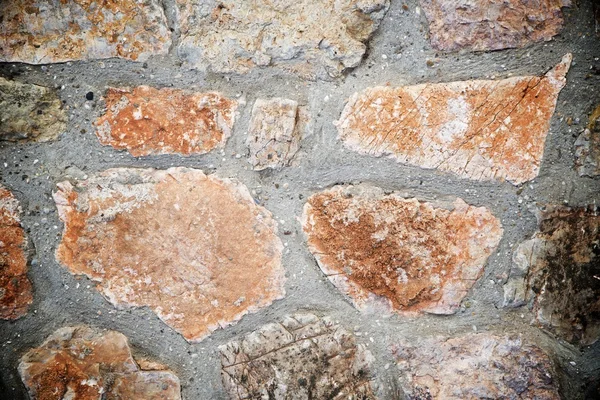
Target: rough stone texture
point(481, 130)
point(81, 363)
point(15, 287)
point(400, 254)
point(587, 147)
point(42, 32)
point(475, 366)
point(160, 121)
point(193, 248)
point(312, 38)
point(29, 112)
point(492, 24)
point(304, 357)
point(274, 133)
point(558, 269)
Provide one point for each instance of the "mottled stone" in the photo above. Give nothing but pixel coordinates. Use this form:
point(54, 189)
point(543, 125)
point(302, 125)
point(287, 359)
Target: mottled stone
point(475, 366)
point(15, 287)
point(587, 147)
point(193, 248)
point(482, 130)
point(303, 357)
point(558, 272)
point(492, 24)
point(80, 363)
point(311, 38)
point(402, 255)
point(29, 112)
point(274, 133)
point(161, 121)
point(42, 32)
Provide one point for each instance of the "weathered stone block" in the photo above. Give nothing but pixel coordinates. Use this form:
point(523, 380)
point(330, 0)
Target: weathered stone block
point(482, 130)
point(193, 248)
point(587, 147)
point(399, 254)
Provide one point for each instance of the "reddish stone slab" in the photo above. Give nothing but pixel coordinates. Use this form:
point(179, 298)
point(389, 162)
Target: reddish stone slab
point(193, 248)
point(481, 130)
point(15, 287)
point(146, 120)
point(402, 255)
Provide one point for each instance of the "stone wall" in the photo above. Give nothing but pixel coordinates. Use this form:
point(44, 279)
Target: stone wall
point(310, 199)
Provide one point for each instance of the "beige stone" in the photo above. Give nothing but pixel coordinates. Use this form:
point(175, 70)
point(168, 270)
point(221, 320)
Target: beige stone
point(81, 363)
point(481, 130)
point(193, 248)
point(311, 38)
point(303, 357)
point(146, 120)
point(42, 32)
point(587, 147)
point(395, 254)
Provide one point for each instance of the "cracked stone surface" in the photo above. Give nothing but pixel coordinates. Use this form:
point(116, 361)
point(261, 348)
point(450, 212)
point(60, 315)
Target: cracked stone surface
point(396, 254)
point(303, 357)
point(42, 32)
point(558, 271)
point(193, 248)
point(274, 133)
point(145, 120)
point(480, 129)
point(475, 366)
point(311, 38)
point(481, 25)
point(587, 147)
point(15, 287)
point(29, 112)
point(82, 363)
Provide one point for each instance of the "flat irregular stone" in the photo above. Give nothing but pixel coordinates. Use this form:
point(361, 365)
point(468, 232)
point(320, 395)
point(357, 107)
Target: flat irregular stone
point(42, 32)
point(481, 130)
point(193, 248)
point(558, 271)
point(274, 133)
point(15, 287)
point(311, 38)
point(396, 254)
point(29, 112)
point(303, 357)
point(146, 120)
point(492, 24)
point(475, 366)
point(587, 147)
point(82, 363)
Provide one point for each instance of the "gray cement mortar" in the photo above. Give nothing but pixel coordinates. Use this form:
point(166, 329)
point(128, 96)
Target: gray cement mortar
point(398, 54)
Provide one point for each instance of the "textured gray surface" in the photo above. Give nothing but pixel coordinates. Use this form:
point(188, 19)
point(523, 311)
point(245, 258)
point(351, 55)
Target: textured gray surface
point(60, 299)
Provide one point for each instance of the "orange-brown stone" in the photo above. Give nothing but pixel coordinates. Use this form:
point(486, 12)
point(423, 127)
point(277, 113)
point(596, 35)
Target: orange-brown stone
point(81, 363)
point(482, 130)
point(402, 255)
point(147, 121)
point(15, 287)
point(41, 32)
point(193, 248)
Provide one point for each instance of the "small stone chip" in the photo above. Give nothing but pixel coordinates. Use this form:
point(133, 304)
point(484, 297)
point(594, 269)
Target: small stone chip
point(587, 147)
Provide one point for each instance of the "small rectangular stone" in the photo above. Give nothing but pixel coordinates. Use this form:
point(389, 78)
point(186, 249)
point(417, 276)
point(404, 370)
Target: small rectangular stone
point(587, 147)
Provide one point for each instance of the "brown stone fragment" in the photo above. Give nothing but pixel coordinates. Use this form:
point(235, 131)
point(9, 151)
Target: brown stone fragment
point(42, 32)
point(193, 248)
point(558, 270)
point(162, 121)
point(15, 287)
point(80, 363)
point(29, 112)
point(303, 357)
point(587, 147)
point(402, 255)
point(482, 130)
point(274, 133)
point(311, 38)
point(475, 366)
point(492, 24)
